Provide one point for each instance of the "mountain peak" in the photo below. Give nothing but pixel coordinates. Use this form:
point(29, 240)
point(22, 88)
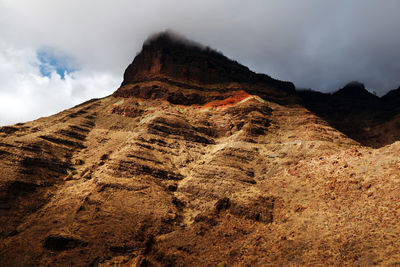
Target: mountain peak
point(171, 56)
point(354, 89)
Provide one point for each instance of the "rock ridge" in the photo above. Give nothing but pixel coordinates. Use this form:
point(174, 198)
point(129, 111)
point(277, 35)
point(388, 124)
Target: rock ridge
point(169, 57)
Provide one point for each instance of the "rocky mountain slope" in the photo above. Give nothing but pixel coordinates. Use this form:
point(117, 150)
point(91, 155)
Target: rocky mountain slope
point(195, 160)
point(361, 115)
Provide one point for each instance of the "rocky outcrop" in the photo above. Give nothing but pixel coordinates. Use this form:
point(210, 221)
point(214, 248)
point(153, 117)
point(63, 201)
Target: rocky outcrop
point(169, 55)
point(391, 101)
point(356, 112)
point(177, 62)
point(355, 91)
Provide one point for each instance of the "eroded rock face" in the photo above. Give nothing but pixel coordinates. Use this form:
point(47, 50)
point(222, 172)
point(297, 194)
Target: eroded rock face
point(166, 55)
point(363, 116)
point(60, 243)
point(182, 71)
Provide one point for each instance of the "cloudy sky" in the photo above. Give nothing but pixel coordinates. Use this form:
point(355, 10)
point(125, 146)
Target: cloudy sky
point(55, 54)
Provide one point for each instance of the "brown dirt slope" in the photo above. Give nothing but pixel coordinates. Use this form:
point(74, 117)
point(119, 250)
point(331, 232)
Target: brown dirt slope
point(254, 183)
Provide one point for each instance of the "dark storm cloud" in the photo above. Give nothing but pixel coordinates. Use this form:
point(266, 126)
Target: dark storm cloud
point(317, 44)
point(313, 43)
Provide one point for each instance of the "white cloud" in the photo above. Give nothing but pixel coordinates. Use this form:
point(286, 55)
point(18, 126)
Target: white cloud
point(26, 95)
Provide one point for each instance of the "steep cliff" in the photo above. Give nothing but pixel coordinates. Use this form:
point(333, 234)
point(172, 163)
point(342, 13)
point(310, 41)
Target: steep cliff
point(168, 61)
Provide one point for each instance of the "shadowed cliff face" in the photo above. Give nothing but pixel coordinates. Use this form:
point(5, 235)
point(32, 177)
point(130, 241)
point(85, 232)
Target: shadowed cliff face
point(361, 115)
point(166, 55)
point(174, 60)
point(182, 168)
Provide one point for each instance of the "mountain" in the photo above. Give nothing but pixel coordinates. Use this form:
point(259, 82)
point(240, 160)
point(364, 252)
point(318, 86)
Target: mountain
point(184, 72)
point(355, 90)
point(361, 115)
point(196, 160)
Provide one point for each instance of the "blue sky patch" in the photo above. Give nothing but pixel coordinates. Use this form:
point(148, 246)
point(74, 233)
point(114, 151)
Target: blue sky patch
point(53, 60)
